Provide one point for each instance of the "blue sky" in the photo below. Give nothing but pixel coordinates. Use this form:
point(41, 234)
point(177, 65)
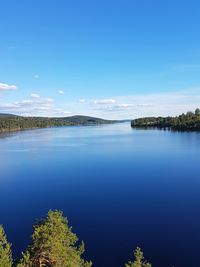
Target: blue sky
point(112, 59)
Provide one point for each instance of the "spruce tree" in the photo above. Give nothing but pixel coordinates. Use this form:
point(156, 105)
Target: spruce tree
point(5, 250)
point(54, 245)
point(197, 112)
point(139, 260)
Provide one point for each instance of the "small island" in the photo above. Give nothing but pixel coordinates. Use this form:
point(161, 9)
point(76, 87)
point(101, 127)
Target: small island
point(185, 122)
point(10, 122)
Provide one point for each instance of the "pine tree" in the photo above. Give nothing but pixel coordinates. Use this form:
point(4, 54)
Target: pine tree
point(139, 260)
point(54, 245)
point(197, 112)
point(25, 261)
point(5, 250)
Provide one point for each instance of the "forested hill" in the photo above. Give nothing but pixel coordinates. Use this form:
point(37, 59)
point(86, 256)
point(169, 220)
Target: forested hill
point(185, 122)
point(4, 115)
point(10, 122)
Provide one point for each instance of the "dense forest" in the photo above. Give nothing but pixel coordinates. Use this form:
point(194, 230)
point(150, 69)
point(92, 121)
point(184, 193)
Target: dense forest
point(185, 122)
point(53, 244)
point(10, 122)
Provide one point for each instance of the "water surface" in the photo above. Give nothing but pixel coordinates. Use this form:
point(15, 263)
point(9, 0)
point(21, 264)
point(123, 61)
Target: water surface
point(118, 187)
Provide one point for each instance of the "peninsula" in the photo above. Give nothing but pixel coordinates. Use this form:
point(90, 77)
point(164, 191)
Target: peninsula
point(185, 122)
point(10, 122)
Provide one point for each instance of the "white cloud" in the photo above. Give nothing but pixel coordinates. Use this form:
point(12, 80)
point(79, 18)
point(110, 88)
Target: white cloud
point(7, 87)
point(36, 76)
point(104, 101)
point(61, 92)
point(34, 106)
point(6, 106)
point(34, 102)
point(115, 107)
point(81, 100)
point(61, 112)
point(35, 95)
point(157, 104)
point(123, 107)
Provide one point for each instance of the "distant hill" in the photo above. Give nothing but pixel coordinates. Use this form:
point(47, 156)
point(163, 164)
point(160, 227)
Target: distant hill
point(6, 115)
point(185, 122)
point(10, 122)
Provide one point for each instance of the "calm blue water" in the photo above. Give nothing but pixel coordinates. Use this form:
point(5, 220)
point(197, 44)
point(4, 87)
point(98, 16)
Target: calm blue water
point(118, 187)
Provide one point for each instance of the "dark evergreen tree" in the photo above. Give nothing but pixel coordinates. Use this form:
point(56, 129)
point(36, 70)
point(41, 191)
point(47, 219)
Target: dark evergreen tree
point(197, 112)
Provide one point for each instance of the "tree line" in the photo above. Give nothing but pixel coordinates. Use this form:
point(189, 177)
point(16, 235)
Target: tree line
point(10, 122)
point(53, 244)
point(185, 122)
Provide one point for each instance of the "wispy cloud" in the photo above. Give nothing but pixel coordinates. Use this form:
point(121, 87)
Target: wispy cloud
point(61, 92)
point(81, 100)
point(36, 76)
point(143, 105)
point(115, 107)
point(119, 107)
point(7, 87)
point(35, 95)
point(160, 104)
point(104, 101)
point(34, 106)
point(123, 106)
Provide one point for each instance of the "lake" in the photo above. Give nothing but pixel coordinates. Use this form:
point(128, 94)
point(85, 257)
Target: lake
point(119, 188)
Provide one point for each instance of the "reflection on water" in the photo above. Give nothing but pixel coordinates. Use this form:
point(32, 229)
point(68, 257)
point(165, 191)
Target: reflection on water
point(118, 186)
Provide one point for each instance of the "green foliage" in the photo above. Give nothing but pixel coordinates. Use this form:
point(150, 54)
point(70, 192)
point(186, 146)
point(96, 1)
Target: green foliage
point(5, 250)
point(189, 121)
point(14, 123)
point(54, 244)
point(25, 261)
point(139, 260)
point(197, 112)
